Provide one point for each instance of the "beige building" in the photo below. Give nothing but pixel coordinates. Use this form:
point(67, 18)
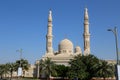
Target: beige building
point(66, 50)
point(31, 72)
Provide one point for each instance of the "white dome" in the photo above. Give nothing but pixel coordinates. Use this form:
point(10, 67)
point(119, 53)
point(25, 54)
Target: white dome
point(78, 49)
point(66, 46)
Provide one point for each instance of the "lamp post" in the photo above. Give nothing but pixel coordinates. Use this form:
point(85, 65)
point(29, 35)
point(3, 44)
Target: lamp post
point(116, 41)
point(20, 66)
point(38, 67)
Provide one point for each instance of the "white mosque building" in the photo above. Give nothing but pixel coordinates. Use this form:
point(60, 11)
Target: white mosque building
point(66, 51)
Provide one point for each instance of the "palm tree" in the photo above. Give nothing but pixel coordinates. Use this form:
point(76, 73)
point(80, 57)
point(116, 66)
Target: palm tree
point(61, 71)
point(105, 70)
point(11, 68)
point(41, 66)
point(83, 67)
point(90, 62)
point(22, 63)
point(48, 67)
point(4, 70)
point(77, 68)
point(1, 70)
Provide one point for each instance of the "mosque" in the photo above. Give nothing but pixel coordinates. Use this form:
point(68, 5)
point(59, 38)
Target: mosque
point(66, 51)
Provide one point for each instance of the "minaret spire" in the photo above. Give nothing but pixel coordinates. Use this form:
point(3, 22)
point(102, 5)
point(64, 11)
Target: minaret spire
point(86, 34)
point(49, 36)
point(50, 16)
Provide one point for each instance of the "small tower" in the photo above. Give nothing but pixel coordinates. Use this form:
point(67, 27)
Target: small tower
point(49, 36)
point(86, 33)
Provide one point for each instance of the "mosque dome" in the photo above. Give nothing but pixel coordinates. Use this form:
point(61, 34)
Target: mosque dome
point(66, 46)
point(78, 49)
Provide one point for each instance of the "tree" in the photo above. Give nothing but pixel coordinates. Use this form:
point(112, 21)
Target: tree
point(41, 67)
point(87, 67)
point(1, 70)
point(22, 63)
point(105, 70)
point(11, 68)
point(48, 67)
point(77, 68)
point(61, 71)
point(91, 63)
point(4, 69)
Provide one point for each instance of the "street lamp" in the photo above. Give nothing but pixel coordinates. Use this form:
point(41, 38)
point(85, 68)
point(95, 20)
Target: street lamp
point(116, 41)
point(20, 66)
point(37, 63)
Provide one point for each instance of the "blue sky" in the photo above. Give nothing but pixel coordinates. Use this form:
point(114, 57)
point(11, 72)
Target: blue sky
point(23, 24)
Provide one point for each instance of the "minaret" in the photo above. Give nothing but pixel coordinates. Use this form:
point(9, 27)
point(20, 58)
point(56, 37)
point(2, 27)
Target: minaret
point(86, 34)
point(49, 36)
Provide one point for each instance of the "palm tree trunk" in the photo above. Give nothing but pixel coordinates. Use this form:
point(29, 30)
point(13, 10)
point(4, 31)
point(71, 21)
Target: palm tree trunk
point(1, 76)
point(23, 73)
point(11, 76)
point(5, 75)
point(48, 78)
point(104, 78)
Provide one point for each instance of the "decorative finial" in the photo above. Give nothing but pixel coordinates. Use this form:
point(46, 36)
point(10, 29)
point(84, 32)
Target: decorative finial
point(86, 9)
point(50, 11)
point(86, 14)
point(50, 15)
